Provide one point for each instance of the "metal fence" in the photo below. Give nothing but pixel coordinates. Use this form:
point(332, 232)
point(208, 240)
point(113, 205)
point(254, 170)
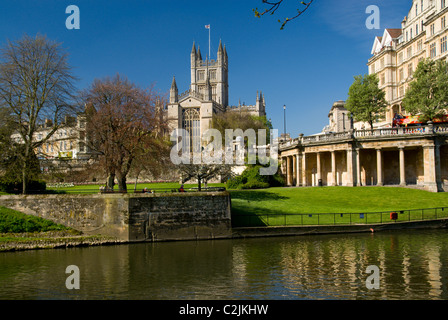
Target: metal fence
point(303, 219)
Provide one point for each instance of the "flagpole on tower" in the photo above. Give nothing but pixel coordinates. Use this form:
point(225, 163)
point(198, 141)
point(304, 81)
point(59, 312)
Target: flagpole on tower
point(208, 27)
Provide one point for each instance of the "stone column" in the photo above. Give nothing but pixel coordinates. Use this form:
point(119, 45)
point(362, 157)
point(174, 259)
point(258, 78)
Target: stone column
point(350, 179)
point(358, 168)
point(431, 167)
point(333, 168)
point(379, 167)
point(298, 173)
point(318, 168)
point(288, 171)
point(283, 167)
point(304, 170)
point(294, 170)
point(402, 167)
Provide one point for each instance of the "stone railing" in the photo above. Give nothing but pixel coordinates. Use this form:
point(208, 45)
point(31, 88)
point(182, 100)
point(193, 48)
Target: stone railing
point(191, 93)
point(366, 134)
point(205, 63)
point(392, 132)
point(334, 136)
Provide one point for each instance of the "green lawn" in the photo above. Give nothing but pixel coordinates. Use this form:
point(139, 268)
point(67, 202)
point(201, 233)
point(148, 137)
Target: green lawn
point(333, 205)
point(157, 187)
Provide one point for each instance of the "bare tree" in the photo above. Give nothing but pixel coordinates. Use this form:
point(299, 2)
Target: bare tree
point(36, 83)
point(274, 5)
point(124, 126)
point(204, 172)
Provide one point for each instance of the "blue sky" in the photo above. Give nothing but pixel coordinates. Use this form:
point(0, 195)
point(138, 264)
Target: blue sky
point(307, 66)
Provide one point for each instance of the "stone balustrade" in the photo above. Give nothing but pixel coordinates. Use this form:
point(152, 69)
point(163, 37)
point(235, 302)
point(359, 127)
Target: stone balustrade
point(414, 156)
point(376, 133)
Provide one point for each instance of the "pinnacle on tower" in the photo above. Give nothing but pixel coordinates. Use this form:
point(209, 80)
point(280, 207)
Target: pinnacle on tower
point(225, 53)
point(220, 55)
point(194, 53)
point(173, 84)
point(220, 47)
point(199, 56)
point(173, 91)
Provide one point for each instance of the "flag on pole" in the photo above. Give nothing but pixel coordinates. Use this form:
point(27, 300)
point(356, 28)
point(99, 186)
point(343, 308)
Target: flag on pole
point(207, 26)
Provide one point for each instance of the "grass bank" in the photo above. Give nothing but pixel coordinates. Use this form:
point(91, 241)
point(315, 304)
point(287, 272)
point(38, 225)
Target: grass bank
point(19, 231)
point(333, 205)
point(12, 221)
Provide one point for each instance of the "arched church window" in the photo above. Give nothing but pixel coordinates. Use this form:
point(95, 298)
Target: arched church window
point(191, 122)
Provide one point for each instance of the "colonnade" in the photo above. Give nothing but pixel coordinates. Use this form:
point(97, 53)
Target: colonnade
point(364, 165)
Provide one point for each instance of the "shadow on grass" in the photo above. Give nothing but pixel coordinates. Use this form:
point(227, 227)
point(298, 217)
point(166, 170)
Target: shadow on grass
point(246, 215)
point(255, 196)
point(242, 218)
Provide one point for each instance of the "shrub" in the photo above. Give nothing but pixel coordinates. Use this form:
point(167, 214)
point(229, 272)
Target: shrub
point(11, 186)
point(235, 183)
point(254, 184)
point(277, 181)
point(251, 179)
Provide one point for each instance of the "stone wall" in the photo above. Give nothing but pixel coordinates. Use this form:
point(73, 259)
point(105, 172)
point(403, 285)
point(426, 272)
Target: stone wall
point(134, 217)
point(180, 216)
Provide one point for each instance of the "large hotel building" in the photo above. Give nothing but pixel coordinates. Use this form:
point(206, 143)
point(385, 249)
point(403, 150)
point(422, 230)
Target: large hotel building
point(353, 155)
point(395, 55)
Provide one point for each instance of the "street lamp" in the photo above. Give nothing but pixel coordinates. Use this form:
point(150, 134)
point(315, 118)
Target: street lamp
point(284, 120)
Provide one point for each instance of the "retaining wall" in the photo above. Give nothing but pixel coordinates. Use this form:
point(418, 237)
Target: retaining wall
point(134, 217)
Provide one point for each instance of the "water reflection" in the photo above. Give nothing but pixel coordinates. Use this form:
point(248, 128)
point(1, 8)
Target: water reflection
point(413, 265)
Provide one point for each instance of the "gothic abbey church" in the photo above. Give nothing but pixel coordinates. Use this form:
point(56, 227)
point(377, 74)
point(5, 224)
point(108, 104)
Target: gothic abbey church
point(208, 95)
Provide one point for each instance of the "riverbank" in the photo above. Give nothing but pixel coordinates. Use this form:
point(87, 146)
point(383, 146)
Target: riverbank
point(262, 213)
point(285, 231)
point(73, 238)
point(52, 240)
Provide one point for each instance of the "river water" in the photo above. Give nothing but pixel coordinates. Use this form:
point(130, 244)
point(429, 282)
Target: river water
point(410, 265)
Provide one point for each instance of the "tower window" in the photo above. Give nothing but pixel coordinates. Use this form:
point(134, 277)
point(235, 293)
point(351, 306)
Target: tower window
point(212, 74)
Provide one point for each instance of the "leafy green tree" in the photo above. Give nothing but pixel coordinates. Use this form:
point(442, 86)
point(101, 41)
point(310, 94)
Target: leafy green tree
point(366, 101)
point(241, 120)
point(427, 95)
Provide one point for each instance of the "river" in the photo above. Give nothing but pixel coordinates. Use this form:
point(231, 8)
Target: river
point(409, 265)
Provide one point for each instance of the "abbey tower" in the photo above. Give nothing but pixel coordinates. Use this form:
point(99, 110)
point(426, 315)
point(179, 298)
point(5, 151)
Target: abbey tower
point(208, 94)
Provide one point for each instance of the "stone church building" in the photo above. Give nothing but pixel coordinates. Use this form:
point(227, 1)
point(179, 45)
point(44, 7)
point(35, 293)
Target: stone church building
point(207, 96)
